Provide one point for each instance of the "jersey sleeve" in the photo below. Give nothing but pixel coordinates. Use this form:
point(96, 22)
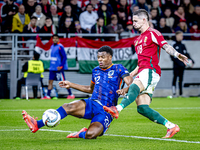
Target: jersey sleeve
point(158, 38)
point(123, 71)
point(93, 80)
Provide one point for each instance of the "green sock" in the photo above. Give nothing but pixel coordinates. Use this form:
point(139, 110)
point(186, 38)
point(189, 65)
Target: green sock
point(151, 114)
point(133, 93)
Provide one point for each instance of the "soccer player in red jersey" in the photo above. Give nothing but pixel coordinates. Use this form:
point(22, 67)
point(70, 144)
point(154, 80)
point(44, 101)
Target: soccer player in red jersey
point(147, 46)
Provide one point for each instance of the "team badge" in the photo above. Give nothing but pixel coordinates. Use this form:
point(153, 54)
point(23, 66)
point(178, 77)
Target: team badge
point(110, 73)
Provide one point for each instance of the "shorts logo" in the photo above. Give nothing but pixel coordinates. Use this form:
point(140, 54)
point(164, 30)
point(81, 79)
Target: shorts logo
point(58, 76)
point(106, 122)
point(110, 73)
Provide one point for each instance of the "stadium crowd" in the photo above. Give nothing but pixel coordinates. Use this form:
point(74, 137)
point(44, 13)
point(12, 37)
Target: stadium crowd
point(97, 16)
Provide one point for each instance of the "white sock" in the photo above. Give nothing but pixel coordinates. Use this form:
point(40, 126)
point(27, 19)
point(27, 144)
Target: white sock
point(169, 125)
point(119, 108)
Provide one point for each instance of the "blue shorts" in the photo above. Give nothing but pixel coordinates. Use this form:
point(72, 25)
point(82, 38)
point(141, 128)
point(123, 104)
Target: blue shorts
point(95, 112)
point(57, 75)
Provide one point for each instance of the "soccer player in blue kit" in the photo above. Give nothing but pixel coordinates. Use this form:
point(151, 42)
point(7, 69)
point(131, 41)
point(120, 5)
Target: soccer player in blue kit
point(58, 64)
point(106, 80)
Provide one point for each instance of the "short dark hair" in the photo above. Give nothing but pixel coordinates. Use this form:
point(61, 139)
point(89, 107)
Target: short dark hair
point(88, 5)
point(48, 18)
point(55, 35)
point(36, 55)
point(178, 32)
point(100, 18)
point(141, 12)
point(106, 49)
point(33, 17)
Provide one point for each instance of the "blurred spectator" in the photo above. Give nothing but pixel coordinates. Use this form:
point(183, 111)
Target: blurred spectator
point(181, 14)
point(20, 20)
point(182, 26)
point(99, 28)
point(8, 11)
point(60, 8)
point(150, 22)
point(114, 27)
point(94, 5)
point(194, 29)
point(75, 8)
point(196, 15)
point(109, 7)
point(129, 27)
point(88, 18)
point(104, 13)
point(169, 18)
point(48, 27)
point(122, 18)
point(68, 28)
point(155, 4)
point(45, 8)
point(114, 4)
point(67, 13)
point(123, 4)
point(154, 16)
point(163, 28)
point(169, 4)
point(40, 16)
point(30, 7)
point(142, 5)
point(78, 28)
point(54, 16)
point(31, 28)
point(188, 7)
point(134, 8)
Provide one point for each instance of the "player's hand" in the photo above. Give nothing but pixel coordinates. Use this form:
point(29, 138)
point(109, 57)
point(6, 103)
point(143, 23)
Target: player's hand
point(183, 58)
point(64, 84)
point(59, 68)
point(121, 92)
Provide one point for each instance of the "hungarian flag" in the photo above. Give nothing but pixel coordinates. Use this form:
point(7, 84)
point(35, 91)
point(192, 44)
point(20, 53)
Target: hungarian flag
point(45, 51)
point(123, 53)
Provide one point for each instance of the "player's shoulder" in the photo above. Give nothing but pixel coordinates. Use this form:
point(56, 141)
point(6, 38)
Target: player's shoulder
point(95, 69)
point(118, 67)
point(155, 31)
point(60, 45)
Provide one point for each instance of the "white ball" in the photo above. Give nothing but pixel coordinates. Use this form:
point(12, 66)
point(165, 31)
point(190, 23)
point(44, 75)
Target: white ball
point(189, 64)
point(51, 118)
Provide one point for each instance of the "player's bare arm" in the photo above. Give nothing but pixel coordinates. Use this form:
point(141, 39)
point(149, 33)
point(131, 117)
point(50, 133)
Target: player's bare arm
point(170, 50)
point(83, 88)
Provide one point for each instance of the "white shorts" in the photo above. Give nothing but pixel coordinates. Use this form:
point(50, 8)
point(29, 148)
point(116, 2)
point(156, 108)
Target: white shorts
point(149, 79)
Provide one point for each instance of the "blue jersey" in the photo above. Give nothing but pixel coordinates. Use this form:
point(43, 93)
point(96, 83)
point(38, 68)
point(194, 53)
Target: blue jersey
point(58, 57)
point(107, 82)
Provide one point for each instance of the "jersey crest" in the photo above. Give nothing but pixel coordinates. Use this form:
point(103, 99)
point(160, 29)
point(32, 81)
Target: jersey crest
point(110, 73)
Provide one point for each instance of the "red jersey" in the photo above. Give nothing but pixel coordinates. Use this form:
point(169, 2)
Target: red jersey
point(147, 47)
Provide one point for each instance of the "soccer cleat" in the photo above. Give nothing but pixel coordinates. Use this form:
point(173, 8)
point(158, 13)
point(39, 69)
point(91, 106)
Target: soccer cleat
point(17, 98)
point(76, 134)
point(30, 121)
point(54, 98)
point(46, 97)
point(172, 131)
point(70, 97)
point(112, 110)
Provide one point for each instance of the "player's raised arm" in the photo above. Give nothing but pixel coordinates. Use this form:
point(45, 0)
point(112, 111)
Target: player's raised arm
point(83, 88)
point(170, 50)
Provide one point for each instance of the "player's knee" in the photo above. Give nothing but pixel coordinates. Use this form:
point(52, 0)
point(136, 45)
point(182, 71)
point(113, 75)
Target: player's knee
point(69, 108)
point(142, 109)
point(90, 135)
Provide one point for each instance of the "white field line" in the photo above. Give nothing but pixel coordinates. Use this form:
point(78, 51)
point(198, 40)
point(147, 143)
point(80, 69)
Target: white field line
point(125, 108)
point(126, 136)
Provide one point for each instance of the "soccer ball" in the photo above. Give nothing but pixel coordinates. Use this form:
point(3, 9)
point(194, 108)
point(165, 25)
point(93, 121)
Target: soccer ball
point(51, 118)
point(189, 64)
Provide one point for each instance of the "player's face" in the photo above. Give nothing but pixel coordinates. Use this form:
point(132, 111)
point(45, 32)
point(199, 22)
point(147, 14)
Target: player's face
point(104, 59)
point(55, 39)
point(137, 22)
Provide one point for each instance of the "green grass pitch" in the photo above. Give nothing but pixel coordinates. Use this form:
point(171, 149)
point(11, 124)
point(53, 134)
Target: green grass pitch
point(129, 131)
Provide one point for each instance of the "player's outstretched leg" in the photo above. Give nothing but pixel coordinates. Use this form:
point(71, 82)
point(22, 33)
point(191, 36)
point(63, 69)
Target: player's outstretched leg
point(80, 134)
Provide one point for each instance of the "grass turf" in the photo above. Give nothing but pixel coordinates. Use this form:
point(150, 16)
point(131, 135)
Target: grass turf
point(129, 131)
